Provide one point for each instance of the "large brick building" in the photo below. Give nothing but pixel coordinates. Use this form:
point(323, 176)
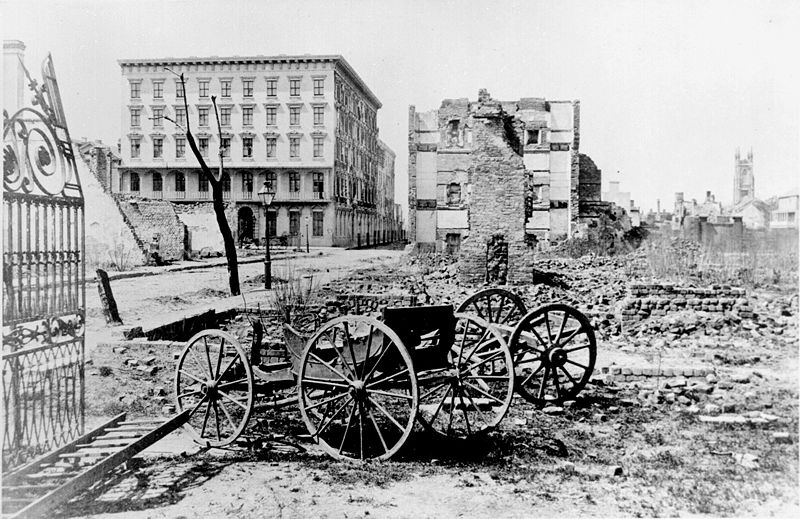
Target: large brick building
point(305, 125)
point(550, 186)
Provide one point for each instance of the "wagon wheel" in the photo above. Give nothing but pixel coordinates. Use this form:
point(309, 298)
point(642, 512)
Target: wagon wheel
point(496, 305)
point(214, 381)
point(473, 392)
point(554, 352)
point(357, 389)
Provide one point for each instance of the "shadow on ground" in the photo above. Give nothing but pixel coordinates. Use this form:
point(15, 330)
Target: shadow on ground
point(154, 483)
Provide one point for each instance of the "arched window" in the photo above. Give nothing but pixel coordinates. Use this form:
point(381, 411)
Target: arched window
point(180, 181)
point(135, 182)
point(158, 183)
point(226, 181)
point(202, 182)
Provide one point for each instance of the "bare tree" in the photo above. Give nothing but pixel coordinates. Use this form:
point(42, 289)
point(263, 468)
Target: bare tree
point(216, 189)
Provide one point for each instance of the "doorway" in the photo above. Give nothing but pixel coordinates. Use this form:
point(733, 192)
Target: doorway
point(245, 228)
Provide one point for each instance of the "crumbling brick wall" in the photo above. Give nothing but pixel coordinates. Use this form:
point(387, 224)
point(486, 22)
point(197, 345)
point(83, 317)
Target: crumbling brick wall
point(656, 299)
point(202, 230)
point(497, 207)
point(574, 194)
point(150, 218)
point(412, 172)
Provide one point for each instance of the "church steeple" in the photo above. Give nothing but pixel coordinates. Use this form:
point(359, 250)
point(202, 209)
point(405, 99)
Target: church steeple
point(743, 181)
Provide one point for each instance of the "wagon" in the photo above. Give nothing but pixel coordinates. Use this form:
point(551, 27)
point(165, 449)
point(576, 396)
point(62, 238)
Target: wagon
point(361, 384)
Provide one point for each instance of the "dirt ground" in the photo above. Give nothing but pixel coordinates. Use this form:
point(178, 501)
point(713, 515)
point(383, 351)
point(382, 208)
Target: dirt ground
point(623, 448)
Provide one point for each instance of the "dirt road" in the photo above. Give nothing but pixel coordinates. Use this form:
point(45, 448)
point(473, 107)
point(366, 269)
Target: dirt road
point(143, 297)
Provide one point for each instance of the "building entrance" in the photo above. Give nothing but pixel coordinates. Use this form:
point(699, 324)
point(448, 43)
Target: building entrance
point(245, 225)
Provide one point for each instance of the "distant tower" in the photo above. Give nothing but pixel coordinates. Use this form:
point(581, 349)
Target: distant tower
point(743, 185)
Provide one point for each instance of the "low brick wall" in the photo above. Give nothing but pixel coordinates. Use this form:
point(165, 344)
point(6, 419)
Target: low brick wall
point(657, 299)
point(620, 374)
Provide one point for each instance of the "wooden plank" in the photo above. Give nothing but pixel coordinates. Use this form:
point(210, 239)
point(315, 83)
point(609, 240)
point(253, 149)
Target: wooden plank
point(102, 443)
point(95, 473)
point(15, 501)
point(29, 488)
point(13, 478)
point(87, 454)
point(53, 475)
point(153, 422)
point(131, 429)
point(119, 435)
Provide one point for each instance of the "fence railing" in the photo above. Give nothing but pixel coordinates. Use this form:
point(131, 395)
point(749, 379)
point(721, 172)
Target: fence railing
point(42, 398)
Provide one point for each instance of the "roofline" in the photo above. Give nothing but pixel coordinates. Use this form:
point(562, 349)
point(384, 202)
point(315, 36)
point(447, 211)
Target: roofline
point(282, 58)
point(386, 147)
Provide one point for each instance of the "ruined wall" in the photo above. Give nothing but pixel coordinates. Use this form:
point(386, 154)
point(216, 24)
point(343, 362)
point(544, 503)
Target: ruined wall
point(498, 197)
point(109, 240)
point(574, 195)
point(201, 227)
point(149, 218)
point(412, 172)
point(657, 299)
point(423, 140)
point(544, 134)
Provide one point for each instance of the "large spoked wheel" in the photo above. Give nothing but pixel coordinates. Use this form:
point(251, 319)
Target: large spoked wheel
point(496, 305)
point(554, 351)
point(357, 389)
point(473, 391)
point(214, 381)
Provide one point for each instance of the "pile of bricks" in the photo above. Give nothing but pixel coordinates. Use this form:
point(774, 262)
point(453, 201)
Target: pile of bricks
point(657, 299)
point(619, 374)
point(368, 304)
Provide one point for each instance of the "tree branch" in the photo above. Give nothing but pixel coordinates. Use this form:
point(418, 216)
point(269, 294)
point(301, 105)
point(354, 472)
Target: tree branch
point(168, 118)
point(189, 137)
point(219, 134)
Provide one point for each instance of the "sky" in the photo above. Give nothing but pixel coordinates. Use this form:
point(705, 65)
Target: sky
point(668, 90)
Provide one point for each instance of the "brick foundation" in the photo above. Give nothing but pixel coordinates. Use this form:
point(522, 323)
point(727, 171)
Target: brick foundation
point(657, 299)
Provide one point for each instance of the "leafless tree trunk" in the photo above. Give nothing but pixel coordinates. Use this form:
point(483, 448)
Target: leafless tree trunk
point(216, 191)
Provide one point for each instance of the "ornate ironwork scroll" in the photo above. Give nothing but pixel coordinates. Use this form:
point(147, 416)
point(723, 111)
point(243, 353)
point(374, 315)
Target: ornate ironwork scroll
point(44, 296)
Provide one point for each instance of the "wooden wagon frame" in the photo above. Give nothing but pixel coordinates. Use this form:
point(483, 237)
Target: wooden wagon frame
point(362, 384)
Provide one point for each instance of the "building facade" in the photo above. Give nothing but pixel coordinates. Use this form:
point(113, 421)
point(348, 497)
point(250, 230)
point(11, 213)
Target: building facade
point(784, 216)
point(389, 225)
point(303, 126)
point(445, 158)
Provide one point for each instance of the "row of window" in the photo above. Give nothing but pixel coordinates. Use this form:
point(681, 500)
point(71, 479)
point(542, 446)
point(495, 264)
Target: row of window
point(226, 87)
point(318, 147)
point(271, 113)
point(317, 185)
point(352, 102)
point(317, 223)
point(360, 189)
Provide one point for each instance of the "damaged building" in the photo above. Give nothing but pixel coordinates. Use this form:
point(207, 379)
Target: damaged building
point(489, 180)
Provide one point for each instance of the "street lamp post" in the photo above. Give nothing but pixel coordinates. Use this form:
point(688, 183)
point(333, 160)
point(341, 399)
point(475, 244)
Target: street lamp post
point(307, 248)
point(266, 198)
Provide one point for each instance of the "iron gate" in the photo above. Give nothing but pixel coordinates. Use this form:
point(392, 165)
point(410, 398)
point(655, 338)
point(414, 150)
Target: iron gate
point(43, 278)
